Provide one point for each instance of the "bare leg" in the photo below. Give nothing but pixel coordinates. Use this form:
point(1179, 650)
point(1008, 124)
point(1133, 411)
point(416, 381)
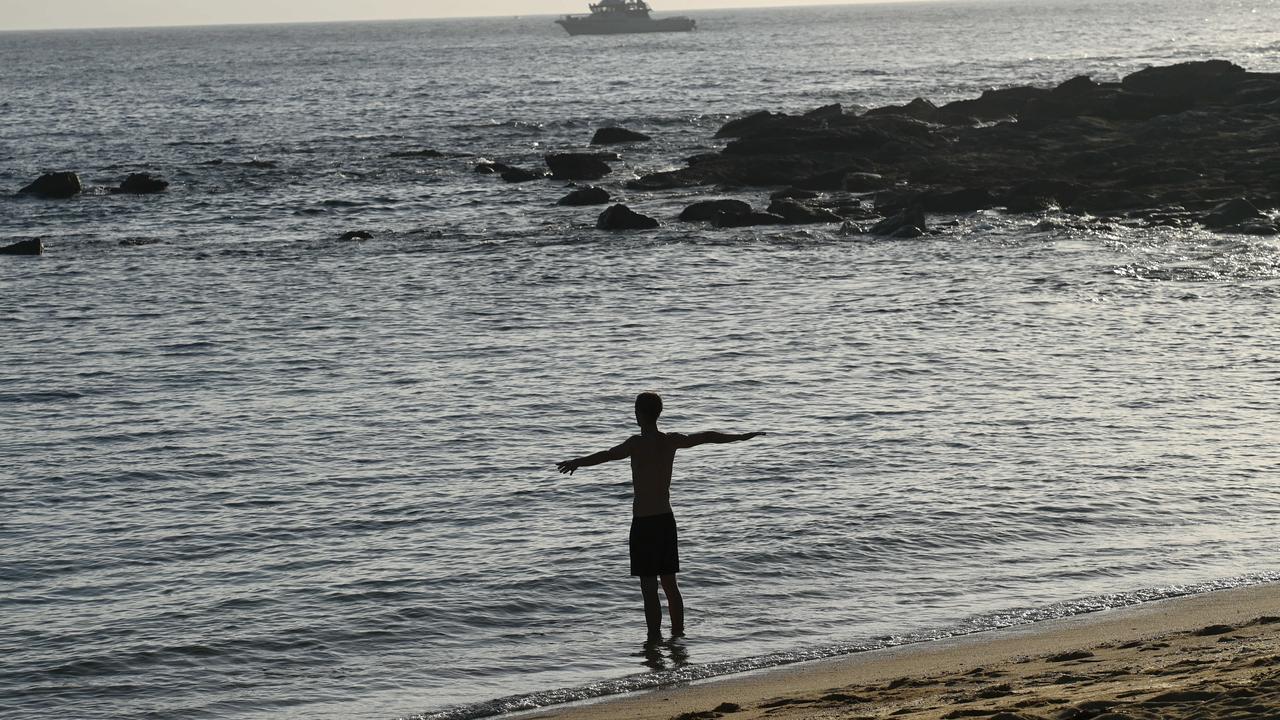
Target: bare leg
point(675, 605)
point(652, 607)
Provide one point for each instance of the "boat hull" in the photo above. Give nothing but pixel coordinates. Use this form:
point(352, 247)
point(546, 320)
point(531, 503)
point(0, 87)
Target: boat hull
point(591, 26)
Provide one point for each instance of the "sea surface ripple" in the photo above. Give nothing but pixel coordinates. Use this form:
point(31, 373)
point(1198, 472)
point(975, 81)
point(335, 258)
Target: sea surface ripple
point(251, 470)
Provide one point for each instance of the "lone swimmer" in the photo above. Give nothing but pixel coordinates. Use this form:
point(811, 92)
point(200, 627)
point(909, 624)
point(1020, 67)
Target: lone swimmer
point(654, 555)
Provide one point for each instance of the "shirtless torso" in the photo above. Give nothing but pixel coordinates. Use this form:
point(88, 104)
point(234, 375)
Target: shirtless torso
point(652, 456)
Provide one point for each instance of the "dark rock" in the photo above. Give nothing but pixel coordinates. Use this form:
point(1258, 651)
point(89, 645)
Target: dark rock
point(709, 209)
point(996, 104)
point(958, 201)
point(59, 185)
point(589, 195)
point(621, 217)
point(701, 158)
point(611, 135)
point(1145, 176)
point(1106, 148)
point(1260, 228)
point(894, 200)
point(750, 124)
point(490, 167)
point(830, 180)
point(1075, 87)
point(925, 111)
point(577, 166)
point(1061, 192)
point(826, 112)
point(24, 247)
point(356, 235)
point(1211, 78)
point(908, 223)
point(141, 184)
point(794, 193)
point(519, 175)
point(1111, 200)
point(1029, 203)
point(139, 241)
point(1231, 212)
point(861, 182)
point(796, 213)
point(907, 232)
point(751, 219)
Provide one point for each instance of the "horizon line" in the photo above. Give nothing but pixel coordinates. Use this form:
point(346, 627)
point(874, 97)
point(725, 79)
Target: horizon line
point(443, 18)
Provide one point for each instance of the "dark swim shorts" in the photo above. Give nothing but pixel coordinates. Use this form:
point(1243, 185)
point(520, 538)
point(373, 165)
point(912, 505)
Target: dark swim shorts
point(653, 545)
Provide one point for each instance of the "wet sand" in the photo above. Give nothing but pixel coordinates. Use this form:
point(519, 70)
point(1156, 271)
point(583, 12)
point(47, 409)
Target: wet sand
point(1215, 655)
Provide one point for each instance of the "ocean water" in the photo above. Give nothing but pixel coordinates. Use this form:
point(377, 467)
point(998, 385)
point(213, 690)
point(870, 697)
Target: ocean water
point(253, 471)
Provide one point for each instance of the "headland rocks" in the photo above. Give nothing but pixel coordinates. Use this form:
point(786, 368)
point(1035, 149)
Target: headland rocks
point(1196, 142)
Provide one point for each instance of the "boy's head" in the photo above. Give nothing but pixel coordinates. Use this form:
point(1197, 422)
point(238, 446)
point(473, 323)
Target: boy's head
point(648, 407)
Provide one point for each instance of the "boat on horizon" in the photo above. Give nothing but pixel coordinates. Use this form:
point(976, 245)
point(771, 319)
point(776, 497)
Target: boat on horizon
point(617, 17)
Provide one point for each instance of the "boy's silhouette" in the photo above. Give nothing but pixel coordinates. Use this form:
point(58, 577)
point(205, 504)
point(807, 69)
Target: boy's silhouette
point(654, 554)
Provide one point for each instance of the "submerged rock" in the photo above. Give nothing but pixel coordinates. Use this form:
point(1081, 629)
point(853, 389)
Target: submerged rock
point(1111, 200)
point(490, 167)
point(519, 175)
point(356, 235)
point(589, 195)
point(794, 193)
point(1231, 212)
point(909, 223)
point(24, 247)
point(577, 166)
point(797, 213)
point(958, 201)
point(621, 217)
point(59, 185)
point(709, 209)
point(751, 219)
point(612, 135)
point(141, 184)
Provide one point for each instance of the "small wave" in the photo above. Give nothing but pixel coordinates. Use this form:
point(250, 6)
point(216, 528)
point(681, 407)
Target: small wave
point(982, 623)
point(39, 397)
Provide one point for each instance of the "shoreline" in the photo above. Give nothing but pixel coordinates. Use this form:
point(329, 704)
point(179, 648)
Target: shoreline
point(1153, 659)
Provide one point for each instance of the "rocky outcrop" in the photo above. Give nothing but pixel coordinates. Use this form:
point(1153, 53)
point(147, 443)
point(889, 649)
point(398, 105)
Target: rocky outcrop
point(59, 186)
point(577, 166)
point(24, 247)
point(708, 210)
point(614, 135)
point(1192, 135)
point(589, 195)
point(621, 217)
point(141, 184)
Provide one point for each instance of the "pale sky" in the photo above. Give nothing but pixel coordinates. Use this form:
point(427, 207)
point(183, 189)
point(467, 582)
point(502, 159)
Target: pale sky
point(32, 14)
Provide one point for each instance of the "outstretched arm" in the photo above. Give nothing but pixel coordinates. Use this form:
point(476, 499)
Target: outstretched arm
point(711, 436)
point(604, 456)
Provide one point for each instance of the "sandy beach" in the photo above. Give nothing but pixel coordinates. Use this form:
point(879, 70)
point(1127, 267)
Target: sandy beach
point(1215, 655)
